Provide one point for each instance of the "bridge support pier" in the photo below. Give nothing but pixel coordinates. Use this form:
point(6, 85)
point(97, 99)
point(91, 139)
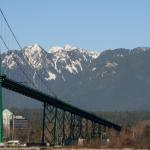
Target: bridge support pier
point(61, 127)
point(43, 126)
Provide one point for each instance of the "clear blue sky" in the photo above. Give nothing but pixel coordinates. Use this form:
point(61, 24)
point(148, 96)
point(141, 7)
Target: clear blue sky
point(90, 24)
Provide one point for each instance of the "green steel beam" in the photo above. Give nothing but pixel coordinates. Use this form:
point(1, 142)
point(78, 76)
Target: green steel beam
point(35, 94)
point(1, 103)
point(56, 128)
point(1, 113)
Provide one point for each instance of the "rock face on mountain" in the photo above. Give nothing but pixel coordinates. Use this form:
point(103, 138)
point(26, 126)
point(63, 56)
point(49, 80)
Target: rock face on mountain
point(111, 80)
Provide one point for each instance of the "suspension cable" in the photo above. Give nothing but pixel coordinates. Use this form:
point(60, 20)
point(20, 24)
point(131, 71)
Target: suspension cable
point(21, 49)
point(4, 42)
point(10, 28)
point(6, 46)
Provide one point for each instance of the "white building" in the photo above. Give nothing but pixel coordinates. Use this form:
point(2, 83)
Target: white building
point(12, 123)
point(7, 117)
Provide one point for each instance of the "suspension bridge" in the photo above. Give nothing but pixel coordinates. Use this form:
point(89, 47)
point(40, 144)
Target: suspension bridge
point(61, 122)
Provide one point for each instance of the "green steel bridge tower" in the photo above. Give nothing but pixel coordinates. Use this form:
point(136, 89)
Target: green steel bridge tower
point(1, 102)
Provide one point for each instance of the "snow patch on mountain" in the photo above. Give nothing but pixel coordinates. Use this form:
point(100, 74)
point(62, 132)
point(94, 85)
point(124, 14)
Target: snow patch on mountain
point(93, 69)
point(94, 54)
point(77, 63)
point(33, 49)
point(51, 76)
point(72, 69)
point(61, 53)
point(59, 57)
point(34, 55)
point(10, 61)
point(68, 47)
point(111, 65)
point(140, 49)
point(55, 49)
point(63, 78)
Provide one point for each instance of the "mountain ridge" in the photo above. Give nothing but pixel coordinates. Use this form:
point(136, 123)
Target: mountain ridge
point(110, 80)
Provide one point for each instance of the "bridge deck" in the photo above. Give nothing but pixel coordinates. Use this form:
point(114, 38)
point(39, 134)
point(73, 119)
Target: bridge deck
point(35, 94)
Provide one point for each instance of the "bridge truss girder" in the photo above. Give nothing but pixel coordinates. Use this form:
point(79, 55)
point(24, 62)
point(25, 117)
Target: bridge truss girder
point(62, 122)
point(61, 127)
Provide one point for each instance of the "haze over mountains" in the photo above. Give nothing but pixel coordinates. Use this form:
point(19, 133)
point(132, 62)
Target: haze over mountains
point(112, 80)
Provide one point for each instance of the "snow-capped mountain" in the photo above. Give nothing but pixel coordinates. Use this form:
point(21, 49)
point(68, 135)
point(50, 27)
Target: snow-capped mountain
point(113, 79)
point(68, 60)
